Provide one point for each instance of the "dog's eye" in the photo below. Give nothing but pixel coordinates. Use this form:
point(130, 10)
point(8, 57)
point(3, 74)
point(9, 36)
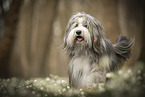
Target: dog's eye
point(76, 25)
point(86, 26)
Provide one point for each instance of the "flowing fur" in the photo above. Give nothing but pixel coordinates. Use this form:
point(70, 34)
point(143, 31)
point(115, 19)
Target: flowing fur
point(94, 55)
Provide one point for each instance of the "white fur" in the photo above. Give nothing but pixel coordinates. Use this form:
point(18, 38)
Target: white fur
point(82, 63)
point(81, 20)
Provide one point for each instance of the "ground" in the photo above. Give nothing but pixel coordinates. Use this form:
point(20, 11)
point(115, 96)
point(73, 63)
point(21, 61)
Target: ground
point(123, 83)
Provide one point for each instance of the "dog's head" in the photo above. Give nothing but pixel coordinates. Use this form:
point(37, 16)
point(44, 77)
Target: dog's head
point(83, 30)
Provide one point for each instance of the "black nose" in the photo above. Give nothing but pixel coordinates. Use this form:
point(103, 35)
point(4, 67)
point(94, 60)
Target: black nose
point(78, 32)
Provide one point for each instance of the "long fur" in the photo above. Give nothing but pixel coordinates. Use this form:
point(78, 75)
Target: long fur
point(91, 54)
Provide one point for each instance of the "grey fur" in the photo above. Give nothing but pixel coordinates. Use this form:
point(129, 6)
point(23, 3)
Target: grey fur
point(86, 66)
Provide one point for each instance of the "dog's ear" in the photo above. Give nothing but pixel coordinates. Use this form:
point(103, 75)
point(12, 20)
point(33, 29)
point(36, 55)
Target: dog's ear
point(64, 45)
point(97, 33)
point(67, 30)
point(97, 44)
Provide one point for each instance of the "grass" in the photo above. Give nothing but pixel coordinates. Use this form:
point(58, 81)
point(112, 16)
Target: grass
point(124, 83)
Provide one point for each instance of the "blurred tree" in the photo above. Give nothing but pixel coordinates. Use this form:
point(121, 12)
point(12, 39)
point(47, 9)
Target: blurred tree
point(10, 17)
point(131, 21)
point(34, 39)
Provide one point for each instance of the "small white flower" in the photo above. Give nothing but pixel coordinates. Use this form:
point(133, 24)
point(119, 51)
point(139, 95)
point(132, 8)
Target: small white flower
point(68, 87)
point(64, 90)
point(30, 86)
point(55, 84)
point(129, 71)
point(48, 79)
point(33, 92)
point(41, 88)
point(81, 89)
point(62, 81)
point(126, 76)
point(100, 86)
point(60, 92)
point(82, 93)
point(35, 80)
point(139, 72)
point(58, 81)
point(120, 72)
point(8, 80)
point(109, 75)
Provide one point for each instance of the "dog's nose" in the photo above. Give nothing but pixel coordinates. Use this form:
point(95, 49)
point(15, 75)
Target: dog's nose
point(78, 32)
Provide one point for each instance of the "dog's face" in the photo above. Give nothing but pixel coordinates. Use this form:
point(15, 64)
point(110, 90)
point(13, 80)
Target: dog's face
point(79, 33)
point(83, 30)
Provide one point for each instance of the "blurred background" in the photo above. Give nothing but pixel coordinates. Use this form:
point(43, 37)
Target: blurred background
point(31, 32)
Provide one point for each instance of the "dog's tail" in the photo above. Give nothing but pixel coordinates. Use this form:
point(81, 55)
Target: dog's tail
point(122, 52)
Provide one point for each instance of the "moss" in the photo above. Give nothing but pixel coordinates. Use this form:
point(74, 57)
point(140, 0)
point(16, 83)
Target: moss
point(124, 83)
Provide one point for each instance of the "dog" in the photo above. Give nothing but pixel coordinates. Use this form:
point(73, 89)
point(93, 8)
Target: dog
point(91, 54)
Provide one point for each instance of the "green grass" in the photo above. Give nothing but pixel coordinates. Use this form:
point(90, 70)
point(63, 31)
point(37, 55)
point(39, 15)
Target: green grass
point(124, 83)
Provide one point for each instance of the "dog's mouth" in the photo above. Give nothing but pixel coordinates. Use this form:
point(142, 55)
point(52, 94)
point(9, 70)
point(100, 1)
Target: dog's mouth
point(79, 38)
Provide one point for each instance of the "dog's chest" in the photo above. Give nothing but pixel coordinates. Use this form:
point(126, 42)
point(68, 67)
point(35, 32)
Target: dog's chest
point(80, 70)
point(80, 66)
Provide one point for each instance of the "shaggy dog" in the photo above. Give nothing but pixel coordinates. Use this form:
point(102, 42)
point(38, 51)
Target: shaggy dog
point(91, 54)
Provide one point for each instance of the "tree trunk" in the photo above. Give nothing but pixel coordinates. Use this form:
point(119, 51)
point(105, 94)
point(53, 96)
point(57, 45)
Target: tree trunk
point(131, 22)
point(34, 38)
point(11, 18)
